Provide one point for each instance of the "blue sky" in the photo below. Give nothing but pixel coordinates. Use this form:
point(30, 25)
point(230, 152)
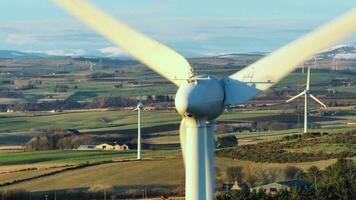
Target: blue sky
point(199, 27)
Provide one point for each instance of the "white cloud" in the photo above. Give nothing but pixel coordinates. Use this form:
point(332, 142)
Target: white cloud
point(113, 51)
point(17, 39)
point(59, 52)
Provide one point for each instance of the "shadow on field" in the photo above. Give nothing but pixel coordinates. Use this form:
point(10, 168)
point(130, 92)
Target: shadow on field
point(146, 130)
point(14, 139)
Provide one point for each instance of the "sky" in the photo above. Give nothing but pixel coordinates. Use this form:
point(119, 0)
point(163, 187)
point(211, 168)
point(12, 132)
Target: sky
point(193, 28)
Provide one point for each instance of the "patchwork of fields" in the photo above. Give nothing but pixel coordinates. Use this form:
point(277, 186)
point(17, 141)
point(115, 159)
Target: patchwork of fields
point(71, 80)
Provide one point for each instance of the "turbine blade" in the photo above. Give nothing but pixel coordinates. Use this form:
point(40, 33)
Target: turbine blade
point(160, 58)
point(317, 100)
point(308, 78)
point(261, 75)
point(298, 95)
point(182, 138)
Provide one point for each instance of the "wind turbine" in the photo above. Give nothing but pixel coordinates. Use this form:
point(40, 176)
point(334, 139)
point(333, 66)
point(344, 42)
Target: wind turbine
point(91, 66)
point(200, 99)
point(334, 66)
point(306, 94)
point(139, 107)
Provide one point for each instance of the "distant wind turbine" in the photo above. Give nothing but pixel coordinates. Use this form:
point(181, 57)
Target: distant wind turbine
point(91, 66)
point(306, 94)
point(139, 107)
point(334, 67)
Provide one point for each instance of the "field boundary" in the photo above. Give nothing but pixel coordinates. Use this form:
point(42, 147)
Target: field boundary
point(71, 168)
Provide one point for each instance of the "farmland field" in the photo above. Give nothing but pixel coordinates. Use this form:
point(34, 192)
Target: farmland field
point(31, 83)
point(81, 84)
point(143, 173)
point(165, 165)
point(19, 127)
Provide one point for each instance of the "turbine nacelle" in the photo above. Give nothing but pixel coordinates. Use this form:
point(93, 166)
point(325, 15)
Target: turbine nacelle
point(202, 96)
point(139, 106)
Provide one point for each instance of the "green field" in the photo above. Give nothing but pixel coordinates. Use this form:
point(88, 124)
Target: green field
point(56, 156)
point(74, 157)
point(105, 120)
point(19, 127)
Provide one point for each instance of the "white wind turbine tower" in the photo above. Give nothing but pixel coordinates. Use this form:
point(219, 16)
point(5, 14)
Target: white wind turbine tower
point(91, 66)
point(200, 99)
point(334, 66)
point(306, 94)
point(315, 62)
point(139, 107)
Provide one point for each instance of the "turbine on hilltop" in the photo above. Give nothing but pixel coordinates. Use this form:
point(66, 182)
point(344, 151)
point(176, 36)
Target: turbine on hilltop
point(306, 94)
point(200, 99)
point(139, 107)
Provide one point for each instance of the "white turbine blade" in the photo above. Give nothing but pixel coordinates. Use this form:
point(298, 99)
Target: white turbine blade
point(182, 138)
point(298, 95)
point(155, 55)
point(308, 78)
point(317, 100)
point(261, 75)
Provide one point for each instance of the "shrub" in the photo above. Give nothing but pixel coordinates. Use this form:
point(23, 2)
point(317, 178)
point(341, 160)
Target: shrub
point(234, 173)
point(290, 172)
point(61, 88)
point(226, 141)
point(100, 75)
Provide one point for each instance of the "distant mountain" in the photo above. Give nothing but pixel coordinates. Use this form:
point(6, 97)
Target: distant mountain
point(343, 52)
point(8, 54)
point(233, 55)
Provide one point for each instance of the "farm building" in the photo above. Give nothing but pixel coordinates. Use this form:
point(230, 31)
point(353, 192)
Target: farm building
point(273, 188)
point(87, 147)
point(104, 146)
point(235, 186)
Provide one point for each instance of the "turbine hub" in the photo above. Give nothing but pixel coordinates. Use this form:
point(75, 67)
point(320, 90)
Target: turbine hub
point(202, 96)
point(139, 106)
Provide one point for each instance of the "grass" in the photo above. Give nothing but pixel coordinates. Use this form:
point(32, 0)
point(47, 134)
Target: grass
point(142, 173)
point(157, 172)
point(56, 157)
point(19, 127)
point(65, 156)
point(8, 177)
point(24, 125)
point(316, 78)
point(84, 120)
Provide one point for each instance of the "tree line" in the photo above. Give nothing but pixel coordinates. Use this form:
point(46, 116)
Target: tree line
point(337, 181)
point(57, 139)
point(97, 102)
